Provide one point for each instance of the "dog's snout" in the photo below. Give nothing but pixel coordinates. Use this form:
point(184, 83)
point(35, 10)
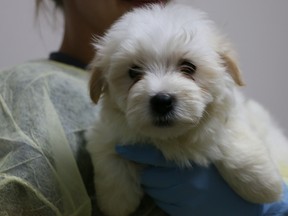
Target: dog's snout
point(162, 103)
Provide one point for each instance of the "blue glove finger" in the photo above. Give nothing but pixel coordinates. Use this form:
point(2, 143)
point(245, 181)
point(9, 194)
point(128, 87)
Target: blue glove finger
point(160, 177)
point(203, 183)
point(201, 191)
point(162, 182)
point(144, 154)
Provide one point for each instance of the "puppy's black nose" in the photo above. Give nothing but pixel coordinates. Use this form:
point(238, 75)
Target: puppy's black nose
point(162, 103)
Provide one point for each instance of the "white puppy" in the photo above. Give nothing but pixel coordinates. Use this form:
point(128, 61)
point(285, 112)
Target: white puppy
point(168, 78)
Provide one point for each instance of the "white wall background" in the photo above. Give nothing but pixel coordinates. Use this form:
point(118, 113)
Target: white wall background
point(257, 28)
point(23, 36)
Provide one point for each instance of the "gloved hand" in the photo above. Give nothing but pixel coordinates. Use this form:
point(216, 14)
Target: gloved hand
point(196, 191)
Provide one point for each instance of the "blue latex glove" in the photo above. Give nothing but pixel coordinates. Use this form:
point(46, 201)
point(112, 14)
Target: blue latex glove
point(196, 191)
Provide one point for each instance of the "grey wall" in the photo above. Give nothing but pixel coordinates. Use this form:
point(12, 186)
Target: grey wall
point(257, 28)
point(22, 36)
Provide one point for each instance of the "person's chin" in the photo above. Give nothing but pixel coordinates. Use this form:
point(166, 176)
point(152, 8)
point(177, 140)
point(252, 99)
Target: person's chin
point(140, 3)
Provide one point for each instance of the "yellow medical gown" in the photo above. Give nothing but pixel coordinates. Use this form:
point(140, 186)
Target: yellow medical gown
point(44, 111)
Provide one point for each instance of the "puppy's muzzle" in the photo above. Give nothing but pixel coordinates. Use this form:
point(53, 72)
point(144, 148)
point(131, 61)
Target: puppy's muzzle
point(162, 106)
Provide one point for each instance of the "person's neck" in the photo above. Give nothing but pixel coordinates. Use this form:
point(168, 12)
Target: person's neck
point(78, 38)
point(78, 46)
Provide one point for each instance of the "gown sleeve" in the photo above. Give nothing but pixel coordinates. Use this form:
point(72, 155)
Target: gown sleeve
point(38, 170)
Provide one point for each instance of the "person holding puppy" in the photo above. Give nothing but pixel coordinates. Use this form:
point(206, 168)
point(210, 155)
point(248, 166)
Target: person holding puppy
point(45, 111)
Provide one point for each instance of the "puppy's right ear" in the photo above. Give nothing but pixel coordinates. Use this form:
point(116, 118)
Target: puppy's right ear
point(96, 84)
point(232, 68)
point(228, 58)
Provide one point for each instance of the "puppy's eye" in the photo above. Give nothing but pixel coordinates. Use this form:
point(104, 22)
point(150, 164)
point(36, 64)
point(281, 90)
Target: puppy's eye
point(187, 67)
point(135, 72)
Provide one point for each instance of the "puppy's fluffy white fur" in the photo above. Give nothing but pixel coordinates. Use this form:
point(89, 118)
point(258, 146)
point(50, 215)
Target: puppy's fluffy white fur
point(211, 121)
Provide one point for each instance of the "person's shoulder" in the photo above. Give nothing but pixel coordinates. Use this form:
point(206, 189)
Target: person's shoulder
point(47, 85)
point(40, 69)
point(41, 72)
point(43, 78)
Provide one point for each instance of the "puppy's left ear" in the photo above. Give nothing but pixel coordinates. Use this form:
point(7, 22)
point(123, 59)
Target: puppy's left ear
point(232, 67)
point(96, 84)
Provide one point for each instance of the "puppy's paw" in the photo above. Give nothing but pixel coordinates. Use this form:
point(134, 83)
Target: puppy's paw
point(266, 190)
point(254, 184)
point(117, 185)
point(120, 201)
